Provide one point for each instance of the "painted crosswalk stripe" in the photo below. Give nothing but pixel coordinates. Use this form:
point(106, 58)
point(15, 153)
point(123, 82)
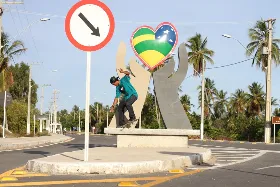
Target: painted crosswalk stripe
point(221, 157)
point(228, 149)
point(235, 154)
point(225, 151)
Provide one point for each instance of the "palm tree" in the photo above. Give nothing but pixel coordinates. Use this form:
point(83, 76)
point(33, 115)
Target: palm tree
point(274, 102)
point(75, 111)
point(259, 36)
point(198, 53)
point(238, 102)
point(186, 102)
point(256, 99)
point(210, 92)
point(221, 103)
point(8, 52)
point(276, 112)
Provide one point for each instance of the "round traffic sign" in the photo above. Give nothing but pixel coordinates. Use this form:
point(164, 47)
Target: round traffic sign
point(89, 25)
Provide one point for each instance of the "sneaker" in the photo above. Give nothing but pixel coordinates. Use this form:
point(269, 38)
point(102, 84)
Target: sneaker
point(132, 120)
point(127, 125)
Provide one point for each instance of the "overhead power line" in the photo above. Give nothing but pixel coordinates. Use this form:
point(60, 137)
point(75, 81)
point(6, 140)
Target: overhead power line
point(135, 22)
point(223, 66)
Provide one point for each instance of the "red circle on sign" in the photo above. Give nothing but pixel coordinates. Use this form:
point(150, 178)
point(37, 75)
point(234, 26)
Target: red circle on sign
point(111, 20)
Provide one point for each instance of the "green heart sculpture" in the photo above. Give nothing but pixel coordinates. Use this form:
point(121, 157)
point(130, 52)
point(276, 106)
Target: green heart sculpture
point(153, 47)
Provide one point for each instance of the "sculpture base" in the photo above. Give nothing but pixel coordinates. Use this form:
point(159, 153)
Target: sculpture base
point(149, 141)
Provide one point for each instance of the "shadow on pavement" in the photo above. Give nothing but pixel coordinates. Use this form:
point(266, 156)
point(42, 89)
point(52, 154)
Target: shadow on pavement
point(81, 146)
point(71, 157)
point(177, 153)
point(250, 172)
point(45, 154)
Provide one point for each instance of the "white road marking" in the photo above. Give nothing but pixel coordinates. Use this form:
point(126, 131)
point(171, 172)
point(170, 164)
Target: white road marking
point(235, 151)
point(275, 166)
point(240, 154)
point(230, 155)
point(228, 149)
point(221, 157)
point(218, 165)
point(46, 145)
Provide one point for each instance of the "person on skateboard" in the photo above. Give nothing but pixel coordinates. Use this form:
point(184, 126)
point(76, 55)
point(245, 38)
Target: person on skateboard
point(123, 86)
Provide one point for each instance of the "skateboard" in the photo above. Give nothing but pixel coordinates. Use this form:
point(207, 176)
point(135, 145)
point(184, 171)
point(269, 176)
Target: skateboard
point(127, 123)
point(130, 124)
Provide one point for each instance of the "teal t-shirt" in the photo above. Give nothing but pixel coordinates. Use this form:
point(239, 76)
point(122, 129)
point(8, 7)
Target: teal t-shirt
point(126, 88)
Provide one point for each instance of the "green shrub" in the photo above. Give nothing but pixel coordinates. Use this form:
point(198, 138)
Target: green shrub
point(43, 133)
point(17, 118)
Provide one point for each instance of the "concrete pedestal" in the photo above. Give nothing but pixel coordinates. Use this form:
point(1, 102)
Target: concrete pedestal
point(150, 141)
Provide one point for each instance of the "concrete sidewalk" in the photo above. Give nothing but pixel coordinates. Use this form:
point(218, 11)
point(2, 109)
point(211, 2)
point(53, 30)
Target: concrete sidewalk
point(112, 160)
point(29, 142)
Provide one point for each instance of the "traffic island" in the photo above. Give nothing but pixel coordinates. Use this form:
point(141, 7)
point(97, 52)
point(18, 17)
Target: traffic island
point(113, 160)
point(30, 142)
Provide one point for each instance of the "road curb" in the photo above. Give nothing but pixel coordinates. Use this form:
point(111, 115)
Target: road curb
point(114, 168)
point(240, 142)
point(24, 145)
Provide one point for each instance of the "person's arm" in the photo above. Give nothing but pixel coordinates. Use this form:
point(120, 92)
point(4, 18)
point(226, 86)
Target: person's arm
point(125, 72)
point(118, 94)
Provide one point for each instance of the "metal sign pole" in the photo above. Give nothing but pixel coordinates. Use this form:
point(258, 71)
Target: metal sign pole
point(274, 133)
point(34, 124)
point(4, 120)
point(87, 107)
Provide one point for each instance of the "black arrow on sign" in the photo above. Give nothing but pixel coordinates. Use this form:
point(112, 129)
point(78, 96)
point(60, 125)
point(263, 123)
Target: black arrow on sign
point(95, 31)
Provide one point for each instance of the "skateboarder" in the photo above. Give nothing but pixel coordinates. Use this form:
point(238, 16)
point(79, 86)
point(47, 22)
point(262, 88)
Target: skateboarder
point(123, 86)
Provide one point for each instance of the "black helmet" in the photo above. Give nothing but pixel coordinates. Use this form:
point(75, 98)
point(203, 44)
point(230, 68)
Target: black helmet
point(113, 79)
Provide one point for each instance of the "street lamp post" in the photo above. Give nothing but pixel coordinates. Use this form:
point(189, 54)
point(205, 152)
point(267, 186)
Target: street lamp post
point(229, 36)
point(202, 101)
point(30, 67)
point(25, 29)
point(79, 120)
point(268, 99)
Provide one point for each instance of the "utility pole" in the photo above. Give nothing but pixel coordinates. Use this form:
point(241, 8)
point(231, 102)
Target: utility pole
point(42, 102)
point(29, 98)
point(55, 92)
point(51, 112)
point(97, 112)
point(202, 101)
point(79, 120)
point(268, 87)
point(1, 14)
point(29, 101)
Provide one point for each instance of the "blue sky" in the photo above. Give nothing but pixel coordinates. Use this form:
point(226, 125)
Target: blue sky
point(210, 18)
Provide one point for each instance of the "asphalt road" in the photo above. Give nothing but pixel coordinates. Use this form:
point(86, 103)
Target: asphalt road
point(238, 164)
point(13, 159)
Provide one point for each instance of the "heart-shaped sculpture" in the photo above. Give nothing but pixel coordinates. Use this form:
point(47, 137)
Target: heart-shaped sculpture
point(153, 47)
